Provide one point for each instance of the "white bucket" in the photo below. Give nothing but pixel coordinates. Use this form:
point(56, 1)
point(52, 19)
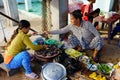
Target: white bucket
point(108, 14)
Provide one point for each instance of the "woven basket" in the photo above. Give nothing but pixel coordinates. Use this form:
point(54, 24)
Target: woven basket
point(45, 58)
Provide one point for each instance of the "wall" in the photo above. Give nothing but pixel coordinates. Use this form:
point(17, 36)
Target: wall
point(1, 3)
point(55, 16)
point(104, 5)
point(11, 10)
point(59, 9)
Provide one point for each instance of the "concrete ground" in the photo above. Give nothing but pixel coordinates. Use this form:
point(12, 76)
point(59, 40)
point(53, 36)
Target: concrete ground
point(110, 52)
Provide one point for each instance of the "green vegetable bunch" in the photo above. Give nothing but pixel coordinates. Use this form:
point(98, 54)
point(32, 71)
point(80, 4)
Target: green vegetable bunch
point(104, 68)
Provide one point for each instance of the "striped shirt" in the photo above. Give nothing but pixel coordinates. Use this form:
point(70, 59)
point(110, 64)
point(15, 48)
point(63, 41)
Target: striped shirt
point(86, 33)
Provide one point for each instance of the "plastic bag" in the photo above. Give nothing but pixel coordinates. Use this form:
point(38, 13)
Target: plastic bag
point(76, 1)
point(50, 41)
point(73, 53)
point(74, 5)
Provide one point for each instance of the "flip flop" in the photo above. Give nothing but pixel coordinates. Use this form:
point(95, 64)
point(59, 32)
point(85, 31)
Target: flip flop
point(95, 59)
point(32, 75)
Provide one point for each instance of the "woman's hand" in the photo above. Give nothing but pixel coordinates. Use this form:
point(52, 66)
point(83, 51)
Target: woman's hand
point(46, 32)
point(34, 33)
point(45, 46)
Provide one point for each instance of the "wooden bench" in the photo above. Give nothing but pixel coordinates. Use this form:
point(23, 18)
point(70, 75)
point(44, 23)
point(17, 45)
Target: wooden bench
point(9, 72)
point(2, 66)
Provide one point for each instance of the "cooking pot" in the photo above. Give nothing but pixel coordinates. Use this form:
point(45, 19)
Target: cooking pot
point(53, 71)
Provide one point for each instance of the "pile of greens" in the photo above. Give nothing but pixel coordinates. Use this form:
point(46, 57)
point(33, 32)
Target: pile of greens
point(104, 68)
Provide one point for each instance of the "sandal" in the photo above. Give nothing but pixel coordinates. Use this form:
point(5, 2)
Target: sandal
point(95, 59)
point(32, 75)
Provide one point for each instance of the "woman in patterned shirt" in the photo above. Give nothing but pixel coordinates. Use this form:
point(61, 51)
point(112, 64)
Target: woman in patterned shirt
point(84, 34)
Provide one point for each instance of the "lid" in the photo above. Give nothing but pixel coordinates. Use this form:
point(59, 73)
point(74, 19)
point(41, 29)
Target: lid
point(53, 71)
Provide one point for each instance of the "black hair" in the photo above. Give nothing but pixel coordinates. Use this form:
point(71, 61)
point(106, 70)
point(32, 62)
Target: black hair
point(90, 18)
point(77, 14)
point(95, 13)
point(96, 24)
point(22, 24)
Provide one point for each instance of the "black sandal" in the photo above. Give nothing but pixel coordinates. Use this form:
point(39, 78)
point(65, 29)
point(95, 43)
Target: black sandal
point(95, 59)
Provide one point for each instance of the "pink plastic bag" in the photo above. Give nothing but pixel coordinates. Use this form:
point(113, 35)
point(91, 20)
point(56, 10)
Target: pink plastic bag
point(74, 5)
point(76, 1)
